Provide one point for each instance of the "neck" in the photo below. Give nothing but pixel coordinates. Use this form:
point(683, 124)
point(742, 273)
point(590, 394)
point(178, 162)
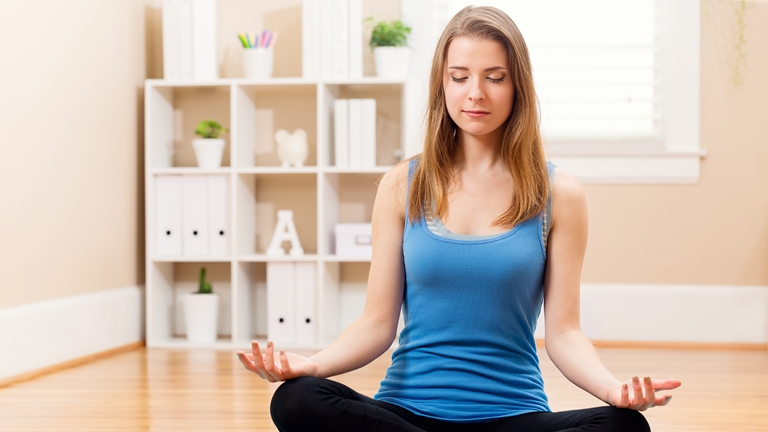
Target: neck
point(478, 152)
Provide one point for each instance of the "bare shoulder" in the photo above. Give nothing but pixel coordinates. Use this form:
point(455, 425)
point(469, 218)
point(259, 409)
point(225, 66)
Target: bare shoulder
point(568, 195)
point(566, 187)
point(396, 178)
point(393, 186)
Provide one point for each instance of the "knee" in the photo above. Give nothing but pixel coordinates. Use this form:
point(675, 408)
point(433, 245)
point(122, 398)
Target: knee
point(628, 420)
point(294, 401)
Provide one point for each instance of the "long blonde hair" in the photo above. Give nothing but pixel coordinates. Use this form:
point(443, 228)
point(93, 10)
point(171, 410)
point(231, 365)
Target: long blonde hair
point(521, 148)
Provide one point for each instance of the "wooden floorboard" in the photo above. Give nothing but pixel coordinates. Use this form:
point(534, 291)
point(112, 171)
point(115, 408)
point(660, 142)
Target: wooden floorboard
point(198, 390)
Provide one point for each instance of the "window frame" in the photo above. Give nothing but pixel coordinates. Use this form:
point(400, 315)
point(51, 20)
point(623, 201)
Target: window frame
point(677, 162)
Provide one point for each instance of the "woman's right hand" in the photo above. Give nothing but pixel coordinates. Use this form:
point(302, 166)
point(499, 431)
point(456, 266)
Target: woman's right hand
point(275, 367)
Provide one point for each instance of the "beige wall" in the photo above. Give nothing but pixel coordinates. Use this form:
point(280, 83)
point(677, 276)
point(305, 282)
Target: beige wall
point(72, 178)
point(713, 232)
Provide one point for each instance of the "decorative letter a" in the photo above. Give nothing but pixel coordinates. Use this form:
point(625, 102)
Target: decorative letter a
point(285, 230)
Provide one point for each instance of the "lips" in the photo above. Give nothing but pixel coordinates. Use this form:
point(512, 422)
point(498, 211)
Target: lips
point(476, 113)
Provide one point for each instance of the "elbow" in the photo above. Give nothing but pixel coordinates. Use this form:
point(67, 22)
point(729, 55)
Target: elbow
point(559, 337)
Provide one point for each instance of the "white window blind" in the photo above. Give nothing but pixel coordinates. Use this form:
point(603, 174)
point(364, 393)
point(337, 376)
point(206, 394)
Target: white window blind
point(597, 68)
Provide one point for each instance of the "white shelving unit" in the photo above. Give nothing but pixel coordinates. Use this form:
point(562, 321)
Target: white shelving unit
point(319, 194)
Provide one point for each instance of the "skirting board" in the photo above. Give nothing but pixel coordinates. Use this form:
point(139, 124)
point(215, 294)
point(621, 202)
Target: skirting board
point(40, 335)
point(706, 314)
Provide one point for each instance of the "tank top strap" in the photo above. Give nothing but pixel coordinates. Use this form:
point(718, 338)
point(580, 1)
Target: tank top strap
point(411, 169)
point(546, 222)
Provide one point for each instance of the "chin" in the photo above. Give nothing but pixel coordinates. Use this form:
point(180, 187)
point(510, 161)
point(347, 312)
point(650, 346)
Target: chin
point(476, 131)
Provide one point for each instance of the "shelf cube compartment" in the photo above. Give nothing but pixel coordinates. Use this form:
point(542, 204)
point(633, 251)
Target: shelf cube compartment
point(261, 196)
point(347, 198)
point(172, 114)
point(262, 110)
point(349, 125)
point(170, 282)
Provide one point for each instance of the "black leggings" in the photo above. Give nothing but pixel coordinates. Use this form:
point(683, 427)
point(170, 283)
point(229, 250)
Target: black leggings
point(319, 405)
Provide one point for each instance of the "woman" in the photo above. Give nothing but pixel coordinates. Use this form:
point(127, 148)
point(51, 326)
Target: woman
point(469, 241)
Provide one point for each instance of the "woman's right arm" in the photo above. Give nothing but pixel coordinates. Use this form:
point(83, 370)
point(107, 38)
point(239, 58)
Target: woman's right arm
point(373, 332)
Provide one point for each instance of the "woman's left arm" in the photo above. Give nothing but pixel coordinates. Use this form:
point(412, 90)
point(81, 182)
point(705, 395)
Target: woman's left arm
point(566, 345)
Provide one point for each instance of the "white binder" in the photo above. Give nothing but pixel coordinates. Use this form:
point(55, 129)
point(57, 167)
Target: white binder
point(305, 276)
point(168, 216)
point(369, 133)
point(205, 63)
point(341, 132)
point(326, 38)
point(281, 314)
point(355, 38)
point(171, 42)
point(355, 133)
point(218, 215)
point(185, 40)
point(194, 219)
point(310, 43)
point(340, 39)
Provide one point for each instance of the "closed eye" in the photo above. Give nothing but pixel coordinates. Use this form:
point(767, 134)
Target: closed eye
point(458, 80)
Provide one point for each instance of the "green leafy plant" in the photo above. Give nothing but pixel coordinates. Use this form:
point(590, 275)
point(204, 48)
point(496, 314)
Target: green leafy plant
point(205, 287)
point(388, 33)
point(729, 18)
point(209, 129)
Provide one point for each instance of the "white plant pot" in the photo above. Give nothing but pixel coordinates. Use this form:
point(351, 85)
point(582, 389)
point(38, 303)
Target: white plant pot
point(391, 62)
point(201, 316)
point(208, 152)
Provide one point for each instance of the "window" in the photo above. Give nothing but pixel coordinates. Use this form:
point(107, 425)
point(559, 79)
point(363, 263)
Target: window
point(617, 81)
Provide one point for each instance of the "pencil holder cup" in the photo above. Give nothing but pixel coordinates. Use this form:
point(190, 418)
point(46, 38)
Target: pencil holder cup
point(257, 62)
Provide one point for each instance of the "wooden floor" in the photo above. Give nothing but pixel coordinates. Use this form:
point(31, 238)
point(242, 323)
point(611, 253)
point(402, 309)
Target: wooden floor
point(166, 390)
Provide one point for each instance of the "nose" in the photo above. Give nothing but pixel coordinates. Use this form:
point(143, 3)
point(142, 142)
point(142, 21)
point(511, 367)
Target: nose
point(476, 92)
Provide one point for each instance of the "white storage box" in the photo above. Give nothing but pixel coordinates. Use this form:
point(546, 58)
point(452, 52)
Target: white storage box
point(354, 239)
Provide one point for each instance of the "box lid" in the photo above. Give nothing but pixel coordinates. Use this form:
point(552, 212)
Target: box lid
point(353, 228)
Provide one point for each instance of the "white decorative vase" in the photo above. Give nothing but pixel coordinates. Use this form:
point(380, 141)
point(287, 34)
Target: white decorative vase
point(208, 152)
point(391, 62)
point(201, 316)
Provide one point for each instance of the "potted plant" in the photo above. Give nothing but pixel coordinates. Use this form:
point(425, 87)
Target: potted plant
point(209, 148)
point(201, 312)
point(390, 51)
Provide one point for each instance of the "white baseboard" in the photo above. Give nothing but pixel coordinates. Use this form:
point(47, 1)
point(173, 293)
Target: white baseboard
point(673, 313)
point(44, 334)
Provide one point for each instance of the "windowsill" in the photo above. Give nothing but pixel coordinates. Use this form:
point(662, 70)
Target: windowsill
point(630, 166)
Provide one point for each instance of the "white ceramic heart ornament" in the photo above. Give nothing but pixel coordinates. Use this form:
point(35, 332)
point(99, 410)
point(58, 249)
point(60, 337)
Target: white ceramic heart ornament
point(291, 148)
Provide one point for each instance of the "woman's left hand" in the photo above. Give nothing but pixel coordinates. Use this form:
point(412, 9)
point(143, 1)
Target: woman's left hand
point(637, 395)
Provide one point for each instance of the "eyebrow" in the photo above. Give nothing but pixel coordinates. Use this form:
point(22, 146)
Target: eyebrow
point(490, 69)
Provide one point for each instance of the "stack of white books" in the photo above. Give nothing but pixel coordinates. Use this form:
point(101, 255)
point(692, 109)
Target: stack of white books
point(355, 133)
point(189, 40)
point(338, 52)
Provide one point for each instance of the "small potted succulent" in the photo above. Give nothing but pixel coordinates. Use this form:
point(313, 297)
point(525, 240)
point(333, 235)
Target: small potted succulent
point(201, 312)
point(389, 40)
point(209, 148)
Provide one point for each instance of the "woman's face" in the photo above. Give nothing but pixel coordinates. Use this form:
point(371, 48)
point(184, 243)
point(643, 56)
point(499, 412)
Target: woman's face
point(477, 85)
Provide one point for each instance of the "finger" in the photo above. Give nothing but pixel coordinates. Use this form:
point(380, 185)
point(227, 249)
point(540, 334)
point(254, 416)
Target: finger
point(666, 384)
point(269, 362)
point(258, 359)
point(637, 397)
point(248, 363)
point(650, 394)
point(286, 367)
point(624, 402)
point(662, 400)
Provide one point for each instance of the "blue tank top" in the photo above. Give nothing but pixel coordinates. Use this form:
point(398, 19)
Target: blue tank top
point(467, 352)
